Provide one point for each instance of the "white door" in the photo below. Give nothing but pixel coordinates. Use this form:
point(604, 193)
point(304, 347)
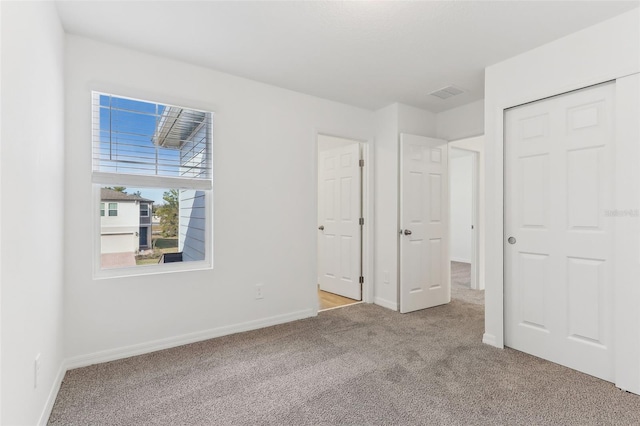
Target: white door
point(558, 264)
point(339, 210)
point(424, 221)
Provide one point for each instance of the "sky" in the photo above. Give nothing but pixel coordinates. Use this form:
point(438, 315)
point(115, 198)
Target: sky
point(126, 142)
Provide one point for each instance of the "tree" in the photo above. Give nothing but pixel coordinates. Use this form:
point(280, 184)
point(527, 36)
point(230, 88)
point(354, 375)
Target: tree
point(122, 189)
point(168, 213)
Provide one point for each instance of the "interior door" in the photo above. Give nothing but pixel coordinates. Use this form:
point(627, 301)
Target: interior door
point(339, 212)
point(424, 220)
point(559, 175)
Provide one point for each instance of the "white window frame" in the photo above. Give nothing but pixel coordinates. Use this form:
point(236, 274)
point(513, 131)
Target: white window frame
point(102, 210)
point(148, 209)
point(102, 179)
point(109, 209)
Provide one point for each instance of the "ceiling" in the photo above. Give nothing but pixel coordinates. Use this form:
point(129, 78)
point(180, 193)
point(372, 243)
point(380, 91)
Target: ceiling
point(367, 54)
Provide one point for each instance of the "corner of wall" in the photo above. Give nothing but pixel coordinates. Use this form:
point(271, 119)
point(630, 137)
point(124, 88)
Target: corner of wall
point(462, 122)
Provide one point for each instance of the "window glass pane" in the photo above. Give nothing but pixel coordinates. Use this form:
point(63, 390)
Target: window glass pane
point(137, 137)
point(172, 231)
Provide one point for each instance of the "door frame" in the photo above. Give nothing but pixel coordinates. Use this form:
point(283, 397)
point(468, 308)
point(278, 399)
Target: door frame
point(475, 212)
point(626, 317)
point(367, 212)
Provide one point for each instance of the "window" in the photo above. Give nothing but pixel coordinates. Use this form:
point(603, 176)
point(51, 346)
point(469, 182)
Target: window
point(148, 153)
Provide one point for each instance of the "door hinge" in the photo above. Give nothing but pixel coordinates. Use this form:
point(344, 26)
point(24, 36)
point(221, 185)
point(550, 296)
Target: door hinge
point(361, 280)
point(361, 163)
point(361, 221)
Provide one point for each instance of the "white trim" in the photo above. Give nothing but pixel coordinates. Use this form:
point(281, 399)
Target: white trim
point(109, 209)
point(53, 394)
point(368, 230)
point(626, 258)
point(172, 182)
point(386, 303)
point(368, 213)
point(99, 273)
point(97, 93)
point(147, 205)
point(490, 339)
point(359, 302)
point(475, 215)
point(184, 339)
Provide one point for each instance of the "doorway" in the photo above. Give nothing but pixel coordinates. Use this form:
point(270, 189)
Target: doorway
point(464, 224)
point(340, 222)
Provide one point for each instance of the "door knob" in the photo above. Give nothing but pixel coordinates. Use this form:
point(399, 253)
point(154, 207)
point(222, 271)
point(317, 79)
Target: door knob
point(321, 227)
point(511, 240)
point(407, 232)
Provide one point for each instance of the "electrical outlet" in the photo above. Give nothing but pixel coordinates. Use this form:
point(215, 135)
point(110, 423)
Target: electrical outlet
point(386, 277)
point(36, 371)
point(259, 291)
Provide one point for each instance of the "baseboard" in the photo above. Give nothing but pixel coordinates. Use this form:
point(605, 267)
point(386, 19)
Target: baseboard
point(385, 303)
point(53, 393)
point(490, 339)
point(171, 342)
point(459, 259)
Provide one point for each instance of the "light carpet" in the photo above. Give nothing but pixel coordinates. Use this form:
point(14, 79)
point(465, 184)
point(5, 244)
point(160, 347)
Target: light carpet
point(358, 365)
point(461, 284)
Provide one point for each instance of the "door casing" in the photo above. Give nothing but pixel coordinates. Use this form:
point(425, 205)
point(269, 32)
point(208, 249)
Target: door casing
point(475, 213)
point(367, 211)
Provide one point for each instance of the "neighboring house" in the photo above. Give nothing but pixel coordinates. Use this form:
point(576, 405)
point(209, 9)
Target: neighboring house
point(186, 131)
point(125, 222)
point(155, 224)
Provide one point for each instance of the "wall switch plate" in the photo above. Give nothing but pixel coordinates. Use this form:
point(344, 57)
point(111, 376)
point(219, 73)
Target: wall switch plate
point(259, 291)
point(386, 277)
point(36, 371)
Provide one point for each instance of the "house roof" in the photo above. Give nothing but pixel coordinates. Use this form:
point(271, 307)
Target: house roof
point(111, 195)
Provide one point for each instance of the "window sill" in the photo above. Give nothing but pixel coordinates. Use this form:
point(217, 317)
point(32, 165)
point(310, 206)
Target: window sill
point(143, 270)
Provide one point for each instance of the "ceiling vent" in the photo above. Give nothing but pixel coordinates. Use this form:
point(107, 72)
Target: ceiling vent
point(447, 92)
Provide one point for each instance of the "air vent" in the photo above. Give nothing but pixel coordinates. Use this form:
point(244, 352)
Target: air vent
point(447, 92)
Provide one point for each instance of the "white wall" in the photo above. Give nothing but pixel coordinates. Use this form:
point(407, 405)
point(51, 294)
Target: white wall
point(415, 121)
point(389, 123)
point(596, 54)
point(326, 142)
point(33, 203)
point(462, 122)
point(128, 217)
point(461, 204)
point(264, 162)
point(386, 207)
point(1, 137)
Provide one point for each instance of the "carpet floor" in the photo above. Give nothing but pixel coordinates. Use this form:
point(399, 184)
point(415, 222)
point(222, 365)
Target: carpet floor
point(461, 284)
point(361, 364)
